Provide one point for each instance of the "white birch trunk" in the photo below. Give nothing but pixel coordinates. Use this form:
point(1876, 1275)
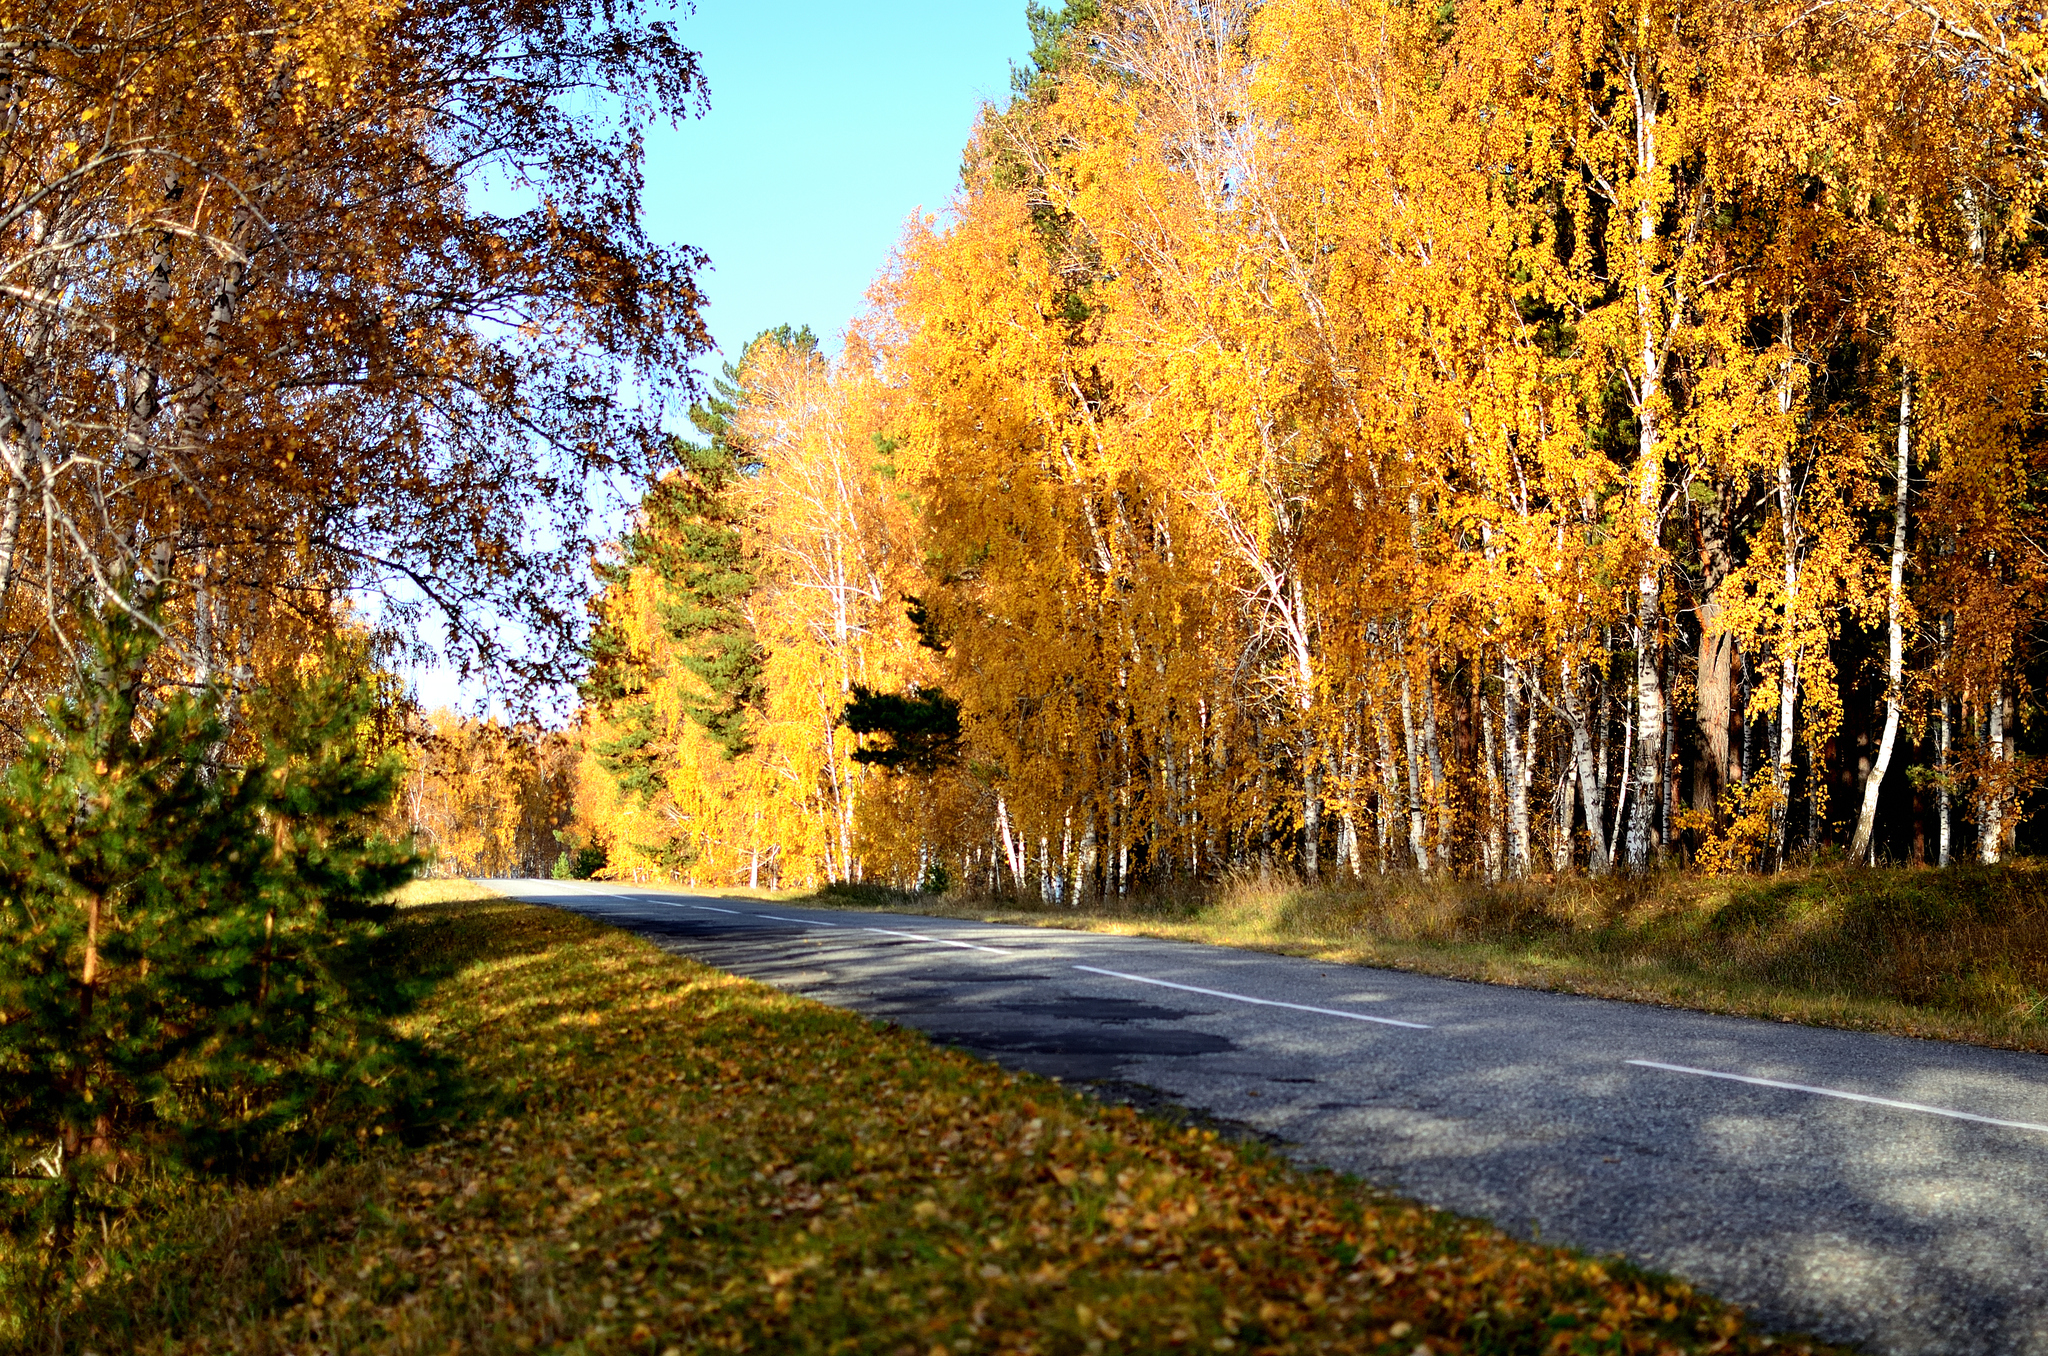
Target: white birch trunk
point(1348, 847)
point(1561, 822)
point(1417, 826)
point(1861, 847)
point(1592, 788)
point(1013, 848)
point(1311, 809)
point(1390, 787)
point(1649, 481)
point(1991, 819)
point(1788, 667)
point(1439, 787)
point(1513, 754)
point(1649, 720)
point(1628, 751)
point(1489, 841)
point(1941, 795)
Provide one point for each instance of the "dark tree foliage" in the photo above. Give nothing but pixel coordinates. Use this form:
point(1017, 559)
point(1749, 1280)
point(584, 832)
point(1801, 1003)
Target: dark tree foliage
point(1052, 31)
point(185, 939)
point(578, 863)
point(929, 636)
point(922, 728)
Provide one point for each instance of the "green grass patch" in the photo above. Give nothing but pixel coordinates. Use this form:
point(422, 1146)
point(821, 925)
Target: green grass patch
point(658, 1157)
point(1960, 954)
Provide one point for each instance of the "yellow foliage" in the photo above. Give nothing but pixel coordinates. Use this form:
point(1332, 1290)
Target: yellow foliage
point(484, 799)
point(1352, 437)
point(1738, 837)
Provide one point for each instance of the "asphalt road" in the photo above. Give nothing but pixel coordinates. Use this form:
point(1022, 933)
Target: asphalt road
point(1867, 1189)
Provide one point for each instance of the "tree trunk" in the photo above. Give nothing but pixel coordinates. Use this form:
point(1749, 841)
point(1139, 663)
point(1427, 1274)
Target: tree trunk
point(1390, 786)
point(1991, 817)
point(1489, 841)
point(1628, 751)
point(1602, 711)
point(1084, 863)
point(89, 970)
point(1418, 827)
point(1561, 822)
point(1649, 733)
point(1718, 767)
point(1013, 849)
point(1349, 847)
point(1513, 754)
point(1788, 669)
point(1781, 766)
point(1667, 765)
point(1591, 794)
point(1742, 691)
point(1649, 473)
point(1861, 846)
point(10, 534)
point(1439, 785)
point(1311, 809)
point(1941, 796)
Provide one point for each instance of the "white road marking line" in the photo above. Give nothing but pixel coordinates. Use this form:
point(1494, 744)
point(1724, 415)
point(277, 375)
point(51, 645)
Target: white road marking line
point(1845, 1096)
point(774, 917)
point(941, 941)
point(1262, 1002)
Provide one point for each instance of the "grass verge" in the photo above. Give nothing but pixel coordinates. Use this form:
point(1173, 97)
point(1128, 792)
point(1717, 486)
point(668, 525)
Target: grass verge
point(657, 1157)
point(1959, 954)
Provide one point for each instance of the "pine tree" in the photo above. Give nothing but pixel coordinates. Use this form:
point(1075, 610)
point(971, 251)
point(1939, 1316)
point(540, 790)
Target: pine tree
point(921, 727)
point(689, 535)
point(1052, 33)
point(185, 963)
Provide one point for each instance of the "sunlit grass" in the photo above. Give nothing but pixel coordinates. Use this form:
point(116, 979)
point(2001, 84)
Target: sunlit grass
point(1960, 954)
point(652, 1156)
point(426, 891)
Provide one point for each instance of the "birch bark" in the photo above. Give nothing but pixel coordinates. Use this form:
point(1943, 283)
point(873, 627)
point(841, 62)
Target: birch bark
point(1514, 753)
point(1649, 403)
point(1861, 846)
point(1490, 841)
point(1591, 784)
point(1788, 658)
point(1418, 829)
point(1941, 792)
point(1991, 814)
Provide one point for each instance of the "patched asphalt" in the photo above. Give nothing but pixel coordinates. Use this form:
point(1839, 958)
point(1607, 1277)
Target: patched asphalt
point(1764, 1161)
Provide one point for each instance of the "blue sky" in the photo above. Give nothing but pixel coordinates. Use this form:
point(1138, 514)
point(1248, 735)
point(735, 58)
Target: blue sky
point(830, 123)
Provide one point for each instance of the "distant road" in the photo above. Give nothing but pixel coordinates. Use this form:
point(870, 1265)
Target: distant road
point(1862, 1188)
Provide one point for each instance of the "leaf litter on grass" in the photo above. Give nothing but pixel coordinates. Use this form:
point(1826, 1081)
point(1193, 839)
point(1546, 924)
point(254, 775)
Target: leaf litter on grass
point(663, 1158)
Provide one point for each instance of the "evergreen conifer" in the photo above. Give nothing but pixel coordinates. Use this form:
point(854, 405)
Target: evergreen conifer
point(184, 964)
point(691, 535)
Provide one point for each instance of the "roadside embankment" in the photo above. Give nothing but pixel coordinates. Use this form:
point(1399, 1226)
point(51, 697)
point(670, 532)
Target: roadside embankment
point(652, 1156)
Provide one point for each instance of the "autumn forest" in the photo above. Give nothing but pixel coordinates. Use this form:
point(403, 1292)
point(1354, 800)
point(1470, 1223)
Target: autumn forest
point(1540, 492)
point(1319, 440)
point(1328, 438)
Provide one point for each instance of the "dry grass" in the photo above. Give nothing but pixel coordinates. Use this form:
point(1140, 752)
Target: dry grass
point(1960, 954)
point(655, 1157)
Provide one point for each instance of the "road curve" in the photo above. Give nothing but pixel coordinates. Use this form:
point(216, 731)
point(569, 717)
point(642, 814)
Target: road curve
point(1867, 1189)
